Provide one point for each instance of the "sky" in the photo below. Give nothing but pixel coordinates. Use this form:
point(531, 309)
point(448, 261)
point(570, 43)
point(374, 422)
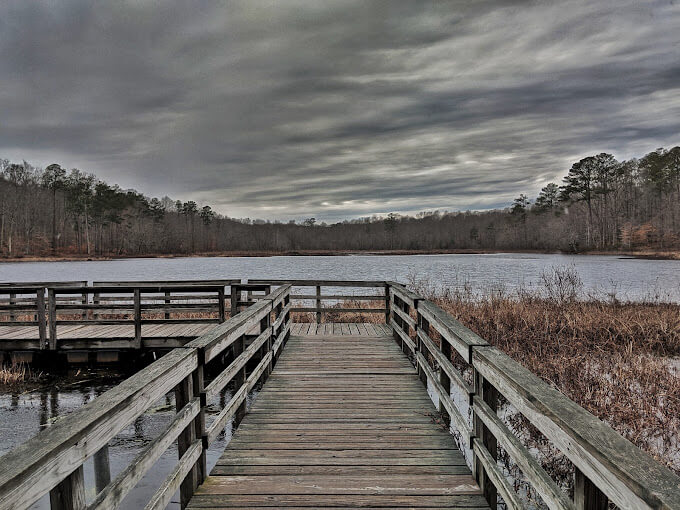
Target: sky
point(336, 109)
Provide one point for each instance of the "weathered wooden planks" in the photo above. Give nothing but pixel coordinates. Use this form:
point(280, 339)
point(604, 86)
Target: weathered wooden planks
point(343, 421)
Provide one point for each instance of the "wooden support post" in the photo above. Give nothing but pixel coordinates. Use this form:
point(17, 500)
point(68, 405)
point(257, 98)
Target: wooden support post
point(70, 493)
point(586, 494)
point(444, 379)
point(83, 301)
point(41, 317)
point(12, 302)
point(52, 317)
point(488, 393)
point(387, 304)
point(420, 347)
point(166, 301)
point(102, 469)
point(239, 380)
point(220, 304)
point(95, 301)
point(265, 324)
point(138, 318)
point(199, 424)
point(184, 393)
point(318, 304)
point(234, 300)
point(404, 325)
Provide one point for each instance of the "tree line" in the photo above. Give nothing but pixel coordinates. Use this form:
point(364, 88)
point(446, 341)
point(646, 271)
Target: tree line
point(601, 204)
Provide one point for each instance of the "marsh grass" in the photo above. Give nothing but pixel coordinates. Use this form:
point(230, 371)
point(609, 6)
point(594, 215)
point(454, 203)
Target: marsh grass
point(14, 375)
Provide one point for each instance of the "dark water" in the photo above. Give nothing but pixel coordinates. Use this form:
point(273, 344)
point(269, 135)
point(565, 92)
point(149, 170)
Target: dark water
point(629, 279)
point(25, 413)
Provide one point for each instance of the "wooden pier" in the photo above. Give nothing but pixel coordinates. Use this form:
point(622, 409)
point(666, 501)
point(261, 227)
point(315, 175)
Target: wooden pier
point(408, 413)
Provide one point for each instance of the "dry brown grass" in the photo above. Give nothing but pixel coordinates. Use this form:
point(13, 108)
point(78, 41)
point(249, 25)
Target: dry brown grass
point(614, 359)
point(17, 374)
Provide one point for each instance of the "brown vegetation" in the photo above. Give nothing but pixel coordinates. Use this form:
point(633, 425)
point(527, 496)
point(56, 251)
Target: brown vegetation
point(617, 360)
point(17, 374)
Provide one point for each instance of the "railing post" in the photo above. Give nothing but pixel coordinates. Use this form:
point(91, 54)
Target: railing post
point(52, 315)
point(184, 393)
point(586, 494)
point(12, 302)
point(199, 422)
point(95, 301)
point(423, 324)
point(234, 300)
point(265, 324)
point(488, 393)
point(318, 304)
point(40, 317)
point(239, 380)
point(387, 303)
point(220, 304)
point(83, 301)
point(102, 469)
point(138, 317)
point(444, 380)
point(166, 302)
point(70, 493)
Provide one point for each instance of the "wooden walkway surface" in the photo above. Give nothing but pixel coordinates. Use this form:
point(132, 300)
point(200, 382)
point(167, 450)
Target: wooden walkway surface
point(105, 336)
point(342, 422)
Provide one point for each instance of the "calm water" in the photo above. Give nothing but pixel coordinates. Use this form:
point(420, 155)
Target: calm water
point(632, 279)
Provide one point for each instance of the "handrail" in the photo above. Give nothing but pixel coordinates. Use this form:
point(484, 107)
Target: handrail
point(52, 461)
point(319, 297)
point(608, 467)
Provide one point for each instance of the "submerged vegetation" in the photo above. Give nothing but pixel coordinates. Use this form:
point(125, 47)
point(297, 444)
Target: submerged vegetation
point(601, 204)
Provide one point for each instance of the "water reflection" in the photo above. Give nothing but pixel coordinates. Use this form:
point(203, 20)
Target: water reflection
point(24, 413)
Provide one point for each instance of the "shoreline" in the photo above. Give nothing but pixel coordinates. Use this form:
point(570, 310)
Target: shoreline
point(634, 254)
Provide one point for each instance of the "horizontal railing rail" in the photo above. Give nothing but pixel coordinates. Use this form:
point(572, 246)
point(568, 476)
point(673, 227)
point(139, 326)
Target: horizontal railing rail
point(52, 461)
point(340, 302)
point(608, 468)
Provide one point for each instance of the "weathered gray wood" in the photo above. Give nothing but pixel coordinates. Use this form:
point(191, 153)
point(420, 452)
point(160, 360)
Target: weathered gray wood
point(102, 469)
point(486, 479)
point(114, 494)
point(586, 495)
point(318, 304)
point(444, 399)
point(138, 318)
point(184, 394)
point(175, 479)
point(630, 478)
point(551, 494)
point(39, 464)
point(52, 315)
point(41, 318)
point(69, 494)
point(460, 337)
point(494, 479)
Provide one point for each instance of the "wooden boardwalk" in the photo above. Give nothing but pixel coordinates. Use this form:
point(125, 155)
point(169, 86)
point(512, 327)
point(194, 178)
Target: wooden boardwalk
point(343, 421)
point(106, 336)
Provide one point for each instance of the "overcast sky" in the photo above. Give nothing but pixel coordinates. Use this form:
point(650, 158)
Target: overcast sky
point(336, 109)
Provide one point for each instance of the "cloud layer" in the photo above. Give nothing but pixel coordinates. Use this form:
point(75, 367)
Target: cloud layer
point(336, 109)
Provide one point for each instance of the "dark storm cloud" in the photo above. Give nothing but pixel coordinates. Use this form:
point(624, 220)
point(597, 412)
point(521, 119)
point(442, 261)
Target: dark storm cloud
point(336, 109)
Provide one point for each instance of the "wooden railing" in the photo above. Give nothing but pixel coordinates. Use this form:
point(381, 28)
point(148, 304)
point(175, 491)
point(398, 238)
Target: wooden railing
point(608, 468)
point(52, 461)
point(323, 293)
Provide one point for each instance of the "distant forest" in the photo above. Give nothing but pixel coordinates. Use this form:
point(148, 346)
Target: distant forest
point(601, 204)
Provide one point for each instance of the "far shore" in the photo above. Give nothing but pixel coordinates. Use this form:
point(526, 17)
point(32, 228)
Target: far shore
point(638, 254)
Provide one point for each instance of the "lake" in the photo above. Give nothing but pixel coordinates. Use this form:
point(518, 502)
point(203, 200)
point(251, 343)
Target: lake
point(628, 278)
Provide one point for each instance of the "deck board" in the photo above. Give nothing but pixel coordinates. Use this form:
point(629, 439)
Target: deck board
point(342, 422)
